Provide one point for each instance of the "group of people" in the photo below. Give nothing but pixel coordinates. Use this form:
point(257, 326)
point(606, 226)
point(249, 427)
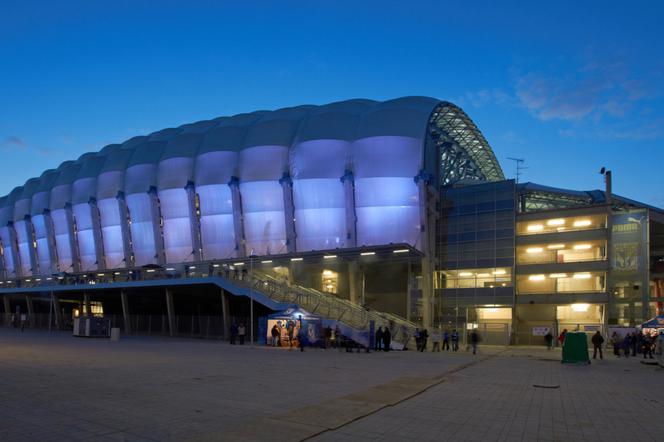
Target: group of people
point(633, 343)
point(383, 339)
point(445, 337)
point(238, 332)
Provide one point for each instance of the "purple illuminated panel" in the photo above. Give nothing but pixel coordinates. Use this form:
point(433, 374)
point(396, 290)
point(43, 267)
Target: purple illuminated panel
point(217, 232)
point(85, 236)
point(261, 168)
point(386, 195)
point(177, 225)
point(109, 213)
point(142, 230)
point(43, 257)
point(62, 241)
point(7, 250)
point(24, 244)
point(320, 215)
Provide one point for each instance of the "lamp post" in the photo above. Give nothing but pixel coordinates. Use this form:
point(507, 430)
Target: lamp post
point(251, 296)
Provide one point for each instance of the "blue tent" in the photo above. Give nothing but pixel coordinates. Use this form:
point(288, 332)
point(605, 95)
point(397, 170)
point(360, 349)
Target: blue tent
point(311, 323)
point(656, 322)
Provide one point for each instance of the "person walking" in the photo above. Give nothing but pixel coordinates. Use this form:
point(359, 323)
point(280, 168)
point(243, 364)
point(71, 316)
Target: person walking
point(435, 340)
point(455, 340)
point(301, 338)
point(378, 337)
point(275, 335)
point(424, 336)
point(648, 343)
point(446, 340)
point(418, 339)
point(328, 337)
point(616, 341)
point(24, 320)
point(233, 333)
point(548, 338)
point(627, 345)
point(597, 341)
point(387, 339)
point(474, 339)
point(241, 332)
point(561, 338)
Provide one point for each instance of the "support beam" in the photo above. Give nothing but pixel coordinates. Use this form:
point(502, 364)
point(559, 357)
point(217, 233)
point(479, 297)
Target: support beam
point(289, 212)
point(125, 230)
point(73, 240)
point(86, 303)
point(125, 312)
point(351, 217)
point(425, 241)
point(160, 257)
point(355, 282)
point(14, 251)
point(30, 235)
point(31, 310)
point(50, 241)
point(8, 310)
point(96, 234)
point(57, 309)
point(170, 309)
point(195, 221)
point(225, 313)
point(238, 227)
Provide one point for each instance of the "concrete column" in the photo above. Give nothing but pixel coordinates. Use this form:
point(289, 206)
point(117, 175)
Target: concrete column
point(238, 227)
point(195, 222)
point(86, 303)
point(50, 241)
point(125, 229)
point(57, 310)
point(351, 218)
point(73, 240)
point(31, 310)
point(3, 268)
point(96, 233)
point(125, 312)
point(426, 230)
point(171, 312)
point(30, 234)
point(157, 228)
point(225, 313)
point(355, 283)
point(14, 251)
point(8, 309)
point(289, 212)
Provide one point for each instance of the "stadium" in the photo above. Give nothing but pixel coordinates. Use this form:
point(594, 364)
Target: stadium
point(366, 213)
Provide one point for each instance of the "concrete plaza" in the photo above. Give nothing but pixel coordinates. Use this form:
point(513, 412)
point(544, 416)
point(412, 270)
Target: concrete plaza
point(56, 387)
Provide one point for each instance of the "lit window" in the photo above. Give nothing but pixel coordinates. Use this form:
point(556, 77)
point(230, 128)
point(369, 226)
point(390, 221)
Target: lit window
point(582, 223)
point(555, 246)
point(537, 277)
point(534, 250)
point(555, 222)
point(535, 227)
point(330, 281)
point(582, 246)
point(558, 275)
point(582, 276)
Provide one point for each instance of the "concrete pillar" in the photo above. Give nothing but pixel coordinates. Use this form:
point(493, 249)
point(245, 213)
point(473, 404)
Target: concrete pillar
point(195, 222)
point(50, 241)
point(86, 303)
point(96, 233)
point(125, 312)
point(351, 217)
point(8, 310)
point(57, 310)
point(160, 256)
point(289, 212)
point(355, 283)
point(73, 240)
point(427, 223)
point(225, 313)
point(238, 227)
point(30, 234)
point(125, 229)
point(31, 310)
point(170, 309)
point(14, 251)
point(3, 268)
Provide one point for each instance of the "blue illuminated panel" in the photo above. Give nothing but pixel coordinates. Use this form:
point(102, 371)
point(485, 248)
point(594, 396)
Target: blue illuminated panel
point(177, 225)
point(43, 256)
point(7, 250)
point(111, 231)
point(217, 234)
point(62, 242)
point(85, 236)
point(142, 230)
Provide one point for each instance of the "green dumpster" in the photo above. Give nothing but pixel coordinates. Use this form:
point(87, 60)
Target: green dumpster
point(575, 348)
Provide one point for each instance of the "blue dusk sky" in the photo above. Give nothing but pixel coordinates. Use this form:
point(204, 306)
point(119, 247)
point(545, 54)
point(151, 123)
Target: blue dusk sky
point(569, 86)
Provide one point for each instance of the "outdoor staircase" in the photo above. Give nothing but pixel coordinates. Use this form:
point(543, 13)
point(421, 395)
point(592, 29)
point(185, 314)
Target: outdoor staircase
point(353, 320)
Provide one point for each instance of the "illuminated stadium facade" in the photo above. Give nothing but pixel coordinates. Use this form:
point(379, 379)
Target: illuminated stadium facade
point(341, 205)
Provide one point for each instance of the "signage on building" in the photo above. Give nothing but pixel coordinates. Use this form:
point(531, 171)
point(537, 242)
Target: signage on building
point(541, 331)
point(628, 238)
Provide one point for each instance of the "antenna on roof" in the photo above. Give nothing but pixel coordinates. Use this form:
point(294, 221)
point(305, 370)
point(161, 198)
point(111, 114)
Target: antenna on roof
point(519, 166)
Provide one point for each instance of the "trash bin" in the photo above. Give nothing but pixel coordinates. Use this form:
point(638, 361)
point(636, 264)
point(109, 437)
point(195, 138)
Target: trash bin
point(115, 334)
point(575, 348)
